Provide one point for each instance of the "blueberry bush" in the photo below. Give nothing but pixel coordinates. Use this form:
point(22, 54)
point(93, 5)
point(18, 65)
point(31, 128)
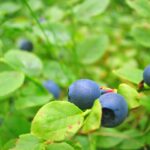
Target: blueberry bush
point(74, 75)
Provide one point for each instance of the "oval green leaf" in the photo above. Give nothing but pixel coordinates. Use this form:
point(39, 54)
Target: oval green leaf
point(5, 8)
point(131, 74)
point(89, 8)
point(57, 121)
point(24, 61)
point(142, 7)
point(141, 34)
point(32, 101)
point(10, 81)
point(92, 49)
point(108, 138)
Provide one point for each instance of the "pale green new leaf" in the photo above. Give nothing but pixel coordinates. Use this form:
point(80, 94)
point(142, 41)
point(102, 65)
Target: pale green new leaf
point(93, 120)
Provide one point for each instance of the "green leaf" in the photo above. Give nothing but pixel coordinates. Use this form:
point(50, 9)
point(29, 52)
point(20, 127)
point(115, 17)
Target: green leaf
point(130, 94)
point(59, 146)
point(57, 121)
point(4, 66)
point(145, 101)
point(58, 72)
point(131, 74)
point(10, 144)
point(55, 13)
point(92, 49)
point(37, 89)
point(134, 141)
point(89, 8)
point(28, 142)
point(10, 81)
point(93, 120)
point(142, 7)
point(108, 138)
point(28, 98)
point(85, 142)
point(57, 34)
point(24, 61)
point(76, 145)
point(141, 34)
point(8, 8)
point(13, 125)
point(147, 138)
point(32, 101)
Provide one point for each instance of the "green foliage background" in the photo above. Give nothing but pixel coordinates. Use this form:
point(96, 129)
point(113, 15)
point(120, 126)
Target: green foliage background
point(106, 41)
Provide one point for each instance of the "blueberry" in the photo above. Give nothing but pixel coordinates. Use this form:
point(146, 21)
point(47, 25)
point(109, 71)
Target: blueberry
point(146, 75)
point(26, 45)
point(83, 92)
point(114, 109)
point(52, 87)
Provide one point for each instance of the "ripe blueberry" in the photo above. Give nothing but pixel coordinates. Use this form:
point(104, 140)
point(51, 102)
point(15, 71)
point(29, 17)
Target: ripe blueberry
point(26, 45)
point(83, 92)
point(114, 109)
point(146, 75)
point(52, 87)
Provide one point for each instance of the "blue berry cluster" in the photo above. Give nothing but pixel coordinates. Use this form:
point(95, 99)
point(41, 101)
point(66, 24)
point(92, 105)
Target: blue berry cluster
point(84, 92)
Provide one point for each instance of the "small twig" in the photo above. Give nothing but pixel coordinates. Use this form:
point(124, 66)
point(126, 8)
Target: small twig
point(141, 86)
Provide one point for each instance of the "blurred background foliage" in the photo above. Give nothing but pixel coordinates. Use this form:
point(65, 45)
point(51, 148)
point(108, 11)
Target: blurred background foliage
point(95, 39)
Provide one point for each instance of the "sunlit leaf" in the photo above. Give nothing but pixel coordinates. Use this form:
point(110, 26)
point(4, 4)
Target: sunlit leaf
point(57, 121)
point(24, 61)
point(89, 8)
point(142, 7)
point(131, 74)
point(141, 34)
point(93, 120)
point(10, 81)
point(92, 49)
point(130, 94)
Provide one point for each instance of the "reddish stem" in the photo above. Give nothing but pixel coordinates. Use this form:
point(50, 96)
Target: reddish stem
point(141, 86)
